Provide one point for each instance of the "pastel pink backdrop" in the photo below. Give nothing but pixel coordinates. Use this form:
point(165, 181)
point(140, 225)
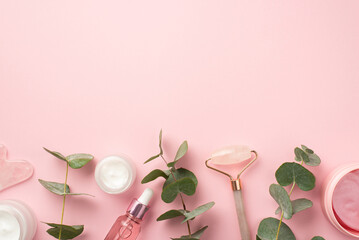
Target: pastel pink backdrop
point(104, 77)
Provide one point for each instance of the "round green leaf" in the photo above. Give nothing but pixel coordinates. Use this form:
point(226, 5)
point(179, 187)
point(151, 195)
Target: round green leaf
point(314, 160)
point(307, 150)
point(288, 173)
point(268, 227)
point(178, 174)
point(300, 155)
point(184, 185)
point(317, 238)
point(280, 195)
point(78, 160)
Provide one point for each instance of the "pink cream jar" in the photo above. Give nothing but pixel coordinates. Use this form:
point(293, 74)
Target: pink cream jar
point(341, 199)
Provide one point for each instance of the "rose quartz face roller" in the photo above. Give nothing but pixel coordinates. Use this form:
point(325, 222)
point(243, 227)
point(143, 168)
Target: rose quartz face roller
point(13, 172)
point(233, 155)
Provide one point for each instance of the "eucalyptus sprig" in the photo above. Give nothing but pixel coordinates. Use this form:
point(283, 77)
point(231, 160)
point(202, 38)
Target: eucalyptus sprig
point(294, 174)
point(178, 181)
point(75, 161)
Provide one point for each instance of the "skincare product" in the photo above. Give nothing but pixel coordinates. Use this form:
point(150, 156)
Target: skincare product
point(115, 174)
point(234, 155)
point(128, 226)
point(13, 172)
point(341, 199)
point(17, 221)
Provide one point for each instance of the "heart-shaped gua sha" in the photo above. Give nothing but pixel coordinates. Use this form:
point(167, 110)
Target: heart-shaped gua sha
point(13, 172)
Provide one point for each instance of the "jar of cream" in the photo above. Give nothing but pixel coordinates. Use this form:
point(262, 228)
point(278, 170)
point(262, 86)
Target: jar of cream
point(341, 199)
point(115, 174)
point(17, 221)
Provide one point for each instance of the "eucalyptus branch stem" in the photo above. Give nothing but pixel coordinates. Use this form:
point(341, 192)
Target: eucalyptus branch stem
point(64, 199)
point(281, 216)
point(180, 194)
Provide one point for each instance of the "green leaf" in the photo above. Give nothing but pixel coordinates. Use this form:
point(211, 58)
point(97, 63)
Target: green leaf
point(198, 211)
point(280, 195)
point(181, 151)
point(184, 185)
point(314, 160)
point(78, 160)
point(300, 155)
point(298, 205)
point(178, 174)
point(307, 150)
point(171, 214)
point(56, 154)
point(154, 175)
point(54, 187)
point(152, 158)
point(67, 232)
point(160, 143)
point(268, 227)
point(196, 235)
point(288, 173)
point(317, 238)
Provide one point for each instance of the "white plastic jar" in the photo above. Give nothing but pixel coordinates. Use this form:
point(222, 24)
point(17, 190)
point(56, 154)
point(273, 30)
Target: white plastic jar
point(17, 221)
point(115, 174)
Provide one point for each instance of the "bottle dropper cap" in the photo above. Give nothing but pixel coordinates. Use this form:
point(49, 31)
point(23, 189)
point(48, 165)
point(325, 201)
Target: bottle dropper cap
point(138, 207)
point(146, 196)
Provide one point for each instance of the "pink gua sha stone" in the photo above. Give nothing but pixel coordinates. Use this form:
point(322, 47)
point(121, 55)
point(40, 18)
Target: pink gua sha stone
point(13, 172)
point(231, 155)
point(346, 201)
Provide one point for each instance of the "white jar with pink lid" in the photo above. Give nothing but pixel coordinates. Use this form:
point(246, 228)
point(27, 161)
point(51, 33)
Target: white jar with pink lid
point(340, 199)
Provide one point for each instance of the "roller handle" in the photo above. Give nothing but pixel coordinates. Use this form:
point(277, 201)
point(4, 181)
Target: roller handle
point(242, 220)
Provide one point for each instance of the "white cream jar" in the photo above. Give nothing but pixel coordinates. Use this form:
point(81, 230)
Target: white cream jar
point(115, 174)
point(17, 221)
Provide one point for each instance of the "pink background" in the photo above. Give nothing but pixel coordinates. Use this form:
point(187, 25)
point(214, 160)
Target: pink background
point(104, 77)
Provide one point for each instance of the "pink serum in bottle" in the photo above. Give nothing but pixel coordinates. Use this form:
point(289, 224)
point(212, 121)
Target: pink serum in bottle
point(128, 226)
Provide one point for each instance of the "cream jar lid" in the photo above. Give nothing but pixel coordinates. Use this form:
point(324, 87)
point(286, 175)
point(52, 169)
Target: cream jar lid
point(115, 174)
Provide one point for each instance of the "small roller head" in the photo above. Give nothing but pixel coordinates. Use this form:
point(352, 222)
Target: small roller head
point(231, 155)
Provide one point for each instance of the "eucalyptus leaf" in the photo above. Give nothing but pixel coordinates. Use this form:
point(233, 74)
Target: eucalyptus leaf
point(196, 235)
point(184, 185)
point(268, 227)
point(181, 150)
point(291, 172)
point(317, 238)
point(67, 232)
point(280, 195)
point(298, 205)
point(78, 160)
point(154, 175)
point(314, 160)
point(307, 150)
point(300, 155)
point(198, 211)
point(56, 154)
point(54, 187)
point(178, 174)
point(152, 158)
point(171, 214)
